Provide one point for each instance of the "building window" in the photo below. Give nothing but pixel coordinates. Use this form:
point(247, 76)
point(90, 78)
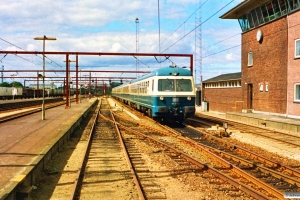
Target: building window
point(297, 92)
point(261, 87)
point(293, 4)
point(250, 59)
point(268, 11)
point(297, 48)
point(267, 87)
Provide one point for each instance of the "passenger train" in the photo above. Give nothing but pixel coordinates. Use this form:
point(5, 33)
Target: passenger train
point(166, 94)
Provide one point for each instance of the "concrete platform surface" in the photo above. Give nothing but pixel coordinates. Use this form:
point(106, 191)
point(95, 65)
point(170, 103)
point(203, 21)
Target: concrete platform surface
point(25, 140)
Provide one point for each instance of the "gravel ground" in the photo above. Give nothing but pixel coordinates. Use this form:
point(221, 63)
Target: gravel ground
point(176, 187)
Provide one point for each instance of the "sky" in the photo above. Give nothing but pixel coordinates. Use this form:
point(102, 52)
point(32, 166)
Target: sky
point(99, 26)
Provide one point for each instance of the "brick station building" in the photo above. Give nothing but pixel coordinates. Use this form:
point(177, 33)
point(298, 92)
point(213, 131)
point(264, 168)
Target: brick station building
point(270, 65)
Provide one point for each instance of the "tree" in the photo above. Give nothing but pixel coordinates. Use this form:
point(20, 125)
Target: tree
point(4, 84)
point(16, 84)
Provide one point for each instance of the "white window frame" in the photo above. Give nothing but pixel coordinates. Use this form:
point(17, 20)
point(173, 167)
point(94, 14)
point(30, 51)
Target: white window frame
point(297, 99)
point(297, 44)
point(250, 59)
point(261, 87)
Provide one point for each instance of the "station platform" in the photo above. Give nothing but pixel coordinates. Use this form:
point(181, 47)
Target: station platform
point(272, 121)
point(20, 103)
point(27, 144)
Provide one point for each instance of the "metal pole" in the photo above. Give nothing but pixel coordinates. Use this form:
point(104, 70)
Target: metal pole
point(80, 88)
point(90, 86)
point(43, 104)
point(76, 79)
point(37, 87)
point(67, 82)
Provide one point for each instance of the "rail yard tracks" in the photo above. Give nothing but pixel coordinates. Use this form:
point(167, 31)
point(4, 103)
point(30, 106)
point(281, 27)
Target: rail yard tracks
point(130, 159)
point(277, 136)
point(274, 177)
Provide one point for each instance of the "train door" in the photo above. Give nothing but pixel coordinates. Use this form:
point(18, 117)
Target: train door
point(250, 96)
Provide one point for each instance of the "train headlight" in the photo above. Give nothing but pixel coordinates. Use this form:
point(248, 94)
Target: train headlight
point(161, 98)
point(189, 98)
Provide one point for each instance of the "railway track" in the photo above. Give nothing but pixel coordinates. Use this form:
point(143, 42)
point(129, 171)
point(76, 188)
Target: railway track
point(277, 136)
point(106, 171)
point(102, 175)
point(160, 159)
point(275, 178)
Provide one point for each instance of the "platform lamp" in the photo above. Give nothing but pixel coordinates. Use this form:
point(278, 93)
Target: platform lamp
point(44, 38)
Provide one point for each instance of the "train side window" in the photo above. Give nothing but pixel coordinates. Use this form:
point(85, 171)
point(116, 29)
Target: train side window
point(152, 85)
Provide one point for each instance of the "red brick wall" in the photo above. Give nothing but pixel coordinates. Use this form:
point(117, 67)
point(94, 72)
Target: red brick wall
point(269, 66)
point(293, 64)
point(224, 99)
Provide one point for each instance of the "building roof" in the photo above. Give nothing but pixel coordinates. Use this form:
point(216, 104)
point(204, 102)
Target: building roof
point(242, 9)
point(225, 77)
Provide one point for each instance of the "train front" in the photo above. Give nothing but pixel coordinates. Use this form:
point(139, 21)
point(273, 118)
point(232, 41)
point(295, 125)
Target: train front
point(175, 97)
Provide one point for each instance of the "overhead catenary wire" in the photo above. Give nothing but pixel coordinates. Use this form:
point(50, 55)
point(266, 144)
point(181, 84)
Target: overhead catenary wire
point(184, 22)
point(265, 35)
point(160, 43)
point(198, 26)
point(26, 50)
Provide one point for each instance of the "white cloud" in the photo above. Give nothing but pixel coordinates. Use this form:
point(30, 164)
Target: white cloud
point(230, 57)
point(31, 47)
point(99, 26)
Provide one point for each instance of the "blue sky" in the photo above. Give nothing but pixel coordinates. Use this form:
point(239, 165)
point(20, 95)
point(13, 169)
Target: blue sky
point(99, 26)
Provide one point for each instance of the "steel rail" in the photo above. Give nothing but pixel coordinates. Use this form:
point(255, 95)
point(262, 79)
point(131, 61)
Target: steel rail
point(141, 194)
point(232, 181)
point(249, 153)
point(80, 172)
point(249, 177)
point(267, 131)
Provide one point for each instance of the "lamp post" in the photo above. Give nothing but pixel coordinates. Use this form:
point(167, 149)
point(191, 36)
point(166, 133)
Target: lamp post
point(43, 76)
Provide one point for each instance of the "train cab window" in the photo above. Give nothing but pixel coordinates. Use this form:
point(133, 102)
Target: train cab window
point(165, 84)
point(178, 85)
point(184, 85)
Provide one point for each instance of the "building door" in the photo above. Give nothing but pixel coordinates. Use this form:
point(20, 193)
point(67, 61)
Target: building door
point(250, 96)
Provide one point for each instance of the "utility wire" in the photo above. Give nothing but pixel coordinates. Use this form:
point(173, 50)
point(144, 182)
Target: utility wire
point(221, 51)
point(184, 22)
point(26, 50)
point(221, 41)
point(198, 26)
point(276, 32)
point(178, 28)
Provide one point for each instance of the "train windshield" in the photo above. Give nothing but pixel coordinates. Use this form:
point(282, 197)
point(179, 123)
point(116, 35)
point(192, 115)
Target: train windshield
point(178, 85)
